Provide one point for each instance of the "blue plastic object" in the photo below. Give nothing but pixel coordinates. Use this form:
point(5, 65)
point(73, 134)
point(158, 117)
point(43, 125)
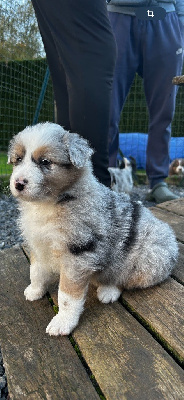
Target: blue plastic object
point(134, 145)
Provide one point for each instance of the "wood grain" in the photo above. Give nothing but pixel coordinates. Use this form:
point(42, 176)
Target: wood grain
point(38, 367)
point(178, 80)
point(174, 220)
point(162, 307)
point(178, 271)
point(126, 361)
point(176, 206)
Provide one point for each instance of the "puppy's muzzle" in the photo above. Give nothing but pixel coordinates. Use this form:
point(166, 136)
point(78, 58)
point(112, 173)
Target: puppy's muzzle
point(20, 184)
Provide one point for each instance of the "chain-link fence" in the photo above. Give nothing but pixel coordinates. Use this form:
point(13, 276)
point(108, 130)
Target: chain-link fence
point(26, 94)
point(134, 117)
point(134, 122)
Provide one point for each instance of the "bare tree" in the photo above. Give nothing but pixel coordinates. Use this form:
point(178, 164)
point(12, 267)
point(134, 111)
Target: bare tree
point(19, 34)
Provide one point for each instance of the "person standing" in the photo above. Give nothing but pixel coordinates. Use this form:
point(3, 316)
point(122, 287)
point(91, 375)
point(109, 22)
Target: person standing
point(154, 49)
point(81, 53)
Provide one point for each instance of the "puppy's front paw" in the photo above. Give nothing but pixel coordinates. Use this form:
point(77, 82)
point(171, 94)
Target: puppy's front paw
point(107, 294)
point(60, 325)
point(33, 294)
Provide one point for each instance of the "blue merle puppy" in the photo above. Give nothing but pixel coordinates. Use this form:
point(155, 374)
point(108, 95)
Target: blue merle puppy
point(80, 229)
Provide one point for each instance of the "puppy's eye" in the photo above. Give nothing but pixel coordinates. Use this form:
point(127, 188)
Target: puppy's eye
point(18, 160)
point(45, 163)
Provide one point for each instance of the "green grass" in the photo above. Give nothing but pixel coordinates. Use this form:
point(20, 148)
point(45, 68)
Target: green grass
point(5, 172)
point(5, 169)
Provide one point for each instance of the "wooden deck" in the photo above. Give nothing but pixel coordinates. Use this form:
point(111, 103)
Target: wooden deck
point(130, 350)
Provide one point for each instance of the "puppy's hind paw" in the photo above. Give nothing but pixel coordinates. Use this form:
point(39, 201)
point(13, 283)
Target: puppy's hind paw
point(33, 294)
point(107, 294)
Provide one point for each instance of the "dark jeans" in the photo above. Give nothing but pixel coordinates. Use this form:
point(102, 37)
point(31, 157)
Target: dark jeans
point(154, 50)
point(81, 54)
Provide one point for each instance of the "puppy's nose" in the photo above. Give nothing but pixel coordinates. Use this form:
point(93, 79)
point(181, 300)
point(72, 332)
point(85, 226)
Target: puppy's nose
point(20, 184)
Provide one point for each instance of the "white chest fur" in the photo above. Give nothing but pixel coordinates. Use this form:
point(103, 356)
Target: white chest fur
point(43, 226)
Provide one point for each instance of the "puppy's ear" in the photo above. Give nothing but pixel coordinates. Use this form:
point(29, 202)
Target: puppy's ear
point(78, 149)
point(122, 163)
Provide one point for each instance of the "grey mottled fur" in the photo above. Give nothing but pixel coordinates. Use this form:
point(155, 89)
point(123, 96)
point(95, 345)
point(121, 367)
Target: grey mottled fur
point(109, 239)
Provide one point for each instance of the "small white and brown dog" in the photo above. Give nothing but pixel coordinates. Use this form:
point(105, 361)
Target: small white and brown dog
point(78, 228)
point(177, 167)
point(121, 177)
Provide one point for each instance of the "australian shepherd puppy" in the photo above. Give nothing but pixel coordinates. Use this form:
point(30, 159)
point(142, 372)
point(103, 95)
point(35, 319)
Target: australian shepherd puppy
point(78, 228)
point(177, 167)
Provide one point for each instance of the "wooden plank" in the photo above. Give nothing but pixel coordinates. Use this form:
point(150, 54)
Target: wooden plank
point(163, 212)
point(37, 366)
point(126, 361)
point(178, 80)
point(162, 307)
point(178, 271)
point(175, 221)
point(176, 206)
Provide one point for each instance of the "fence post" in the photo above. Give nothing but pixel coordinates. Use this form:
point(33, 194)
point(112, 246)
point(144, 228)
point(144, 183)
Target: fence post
point(41, 97)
